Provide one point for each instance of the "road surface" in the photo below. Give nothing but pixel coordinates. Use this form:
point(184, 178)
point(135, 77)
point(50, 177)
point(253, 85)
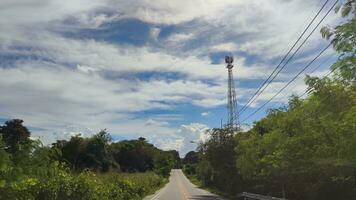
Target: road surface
point(180, 188)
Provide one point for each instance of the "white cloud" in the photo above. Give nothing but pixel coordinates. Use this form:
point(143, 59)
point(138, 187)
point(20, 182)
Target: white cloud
point(264, 28)
point(18, 18)
point(169, 143)
point(190, 136)
point(49, 87)
point(154, 33)
point(184, 138)
point(74, 92)
point(179, 37)
point(245, 127)
point(123, 59)
point(171, 12)
point(232, 47)
point(86, 69)
point(205, 114)
point(298, 87)
point(49, 137)
point(52, 97)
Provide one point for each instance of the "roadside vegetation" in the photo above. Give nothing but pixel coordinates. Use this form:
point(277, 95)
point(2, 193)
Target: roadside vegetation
point(79, 169)
point(303, 151)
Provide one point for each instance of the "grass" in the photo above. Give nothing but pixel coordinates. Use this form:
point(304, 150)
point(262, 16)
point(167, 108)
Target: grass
point(196, 181)
point(83, 186)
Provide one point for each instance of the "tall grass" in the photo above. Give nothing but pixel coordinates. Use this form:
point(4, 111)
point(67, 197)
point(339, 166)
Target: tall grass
point(83, 186)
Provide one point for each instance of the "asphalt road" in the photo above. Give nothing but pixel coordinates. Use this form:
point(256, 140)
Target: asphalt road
point(180, 188)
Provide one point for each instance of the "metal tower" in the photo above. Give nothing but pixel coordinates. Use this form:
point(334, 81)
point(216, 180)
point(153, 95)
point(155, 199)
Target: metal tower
point(233, 121)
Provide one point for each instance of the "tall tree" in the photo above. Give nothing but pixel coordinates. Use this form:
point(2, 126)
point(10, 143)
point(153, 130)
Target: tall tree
point(218, 159)
point(15, 135)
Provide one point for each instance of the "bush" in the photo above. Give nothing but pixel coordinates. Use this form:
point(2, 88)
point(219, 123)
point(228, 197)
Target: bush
point(66, 170)
point(84, 186)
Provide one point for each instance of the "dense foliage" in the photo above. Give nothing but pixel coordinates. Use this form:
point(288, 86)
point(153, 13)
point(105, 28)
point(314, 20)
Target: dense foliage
point(189, 162)
point(98, 154)
point(306, 150)
point(81, 168)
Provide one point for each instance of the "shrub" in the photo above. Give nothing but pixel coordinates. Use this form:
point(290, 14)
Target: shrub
point(84, 186)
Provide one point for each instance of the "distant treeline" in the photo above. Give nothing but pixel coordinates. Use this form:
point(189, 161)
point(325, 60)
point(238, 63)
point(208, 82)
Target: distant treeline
point(99, 154)
point(304, 151)
point(79, 168)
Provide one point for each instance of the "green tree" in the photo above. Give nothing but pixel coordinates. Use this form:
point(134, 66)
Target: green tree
point(86, 153)
point(190, 163)
point(71, 151)
point(134, 155)
point(97, 155)
point(191, 157)
point(218, 153)
point(16, 136)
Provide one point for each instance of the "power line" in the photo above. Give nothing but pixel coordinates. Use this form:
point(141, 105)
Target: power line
point(321, 64)
point(312, 71)
point(325, 75)
point(286, 85)
point(291, 57)
point(295, 43)
point(304, 93)
point(259, 91)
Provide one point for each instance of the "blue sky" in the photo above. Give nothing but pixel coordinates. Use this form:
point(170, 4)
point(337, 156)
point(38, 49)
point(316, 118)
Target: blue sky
point(146, 68)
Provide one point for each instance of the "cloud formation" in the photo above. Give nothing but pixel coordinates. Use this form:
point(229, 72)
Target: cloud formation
point(63, 81)
point(205, 114)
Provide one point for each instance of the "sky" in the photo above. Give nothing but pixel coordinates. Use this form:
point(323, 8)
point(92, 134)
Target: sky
point(148, 68)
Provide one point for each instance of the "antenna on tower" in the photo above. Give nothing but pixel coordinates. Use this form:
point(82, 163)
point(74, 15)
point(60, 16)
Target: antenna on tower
point(233, 121)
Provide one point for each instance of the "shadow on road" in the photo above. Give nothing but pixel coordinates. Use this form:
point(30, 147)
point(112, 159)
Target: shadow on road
point(203, 197)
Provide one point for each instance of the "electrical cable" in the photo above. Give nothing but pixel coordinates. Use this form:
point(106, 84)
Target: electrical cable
point(286, 85)
point(259, 91)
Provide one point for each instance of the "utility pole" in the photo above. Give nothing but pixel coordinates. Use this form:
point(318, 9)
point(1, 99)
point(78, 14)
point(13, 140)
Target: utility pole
point(232, 123)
